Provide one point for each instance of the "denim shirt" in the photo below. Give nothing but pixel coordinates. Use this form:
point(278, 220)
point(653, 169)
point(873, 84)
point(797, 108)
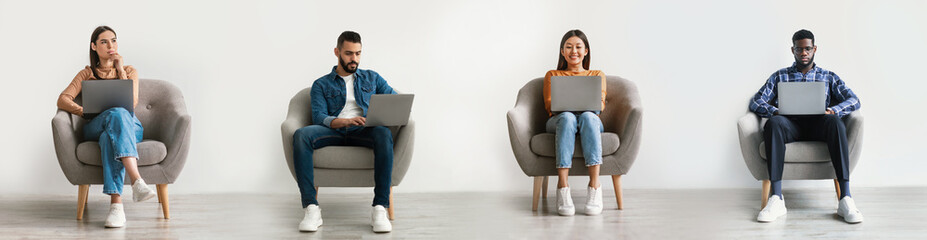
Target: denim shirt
point(844, 101)
point(329, 95)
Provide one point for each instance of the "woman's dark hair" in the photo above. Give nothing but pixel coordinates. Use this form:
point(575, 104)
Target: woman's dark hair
point(94, 58)
point(562, 64)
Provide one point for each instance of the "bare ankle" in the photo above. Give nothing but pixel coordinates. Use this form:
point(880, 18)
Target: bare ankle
point(115, 198)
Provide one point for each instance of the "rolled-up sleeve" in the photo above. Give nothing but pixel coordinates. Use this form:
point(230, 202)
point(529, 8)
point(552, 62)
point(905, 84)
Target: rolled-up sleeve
point(847, 100)
point(760, 102)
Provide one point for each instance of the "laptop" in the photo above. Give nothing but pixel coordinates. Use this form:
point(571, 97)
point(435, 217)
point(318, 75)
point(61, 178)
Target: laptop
point(575, 93)
point(801, 98)
point(389, 109)
point(99, 95)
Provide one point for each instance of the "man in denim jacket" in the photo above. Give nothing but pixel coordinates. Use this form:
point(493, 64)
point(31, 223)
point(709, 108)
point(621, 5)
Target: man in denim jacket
point(339, 106)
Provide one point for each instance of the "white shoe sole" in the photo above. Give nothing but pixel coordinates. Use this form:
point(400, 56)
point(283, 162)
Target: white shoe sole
point(567, 212)
point(108, 225)
point(145, 197)
point(382, 229)
point(310, 228)
point(768, 218)
point(593, 212)
point(851, 220)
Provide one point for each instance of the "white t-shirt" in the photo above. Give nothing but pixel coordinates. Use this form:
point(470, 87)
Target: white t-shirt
point(350, 109)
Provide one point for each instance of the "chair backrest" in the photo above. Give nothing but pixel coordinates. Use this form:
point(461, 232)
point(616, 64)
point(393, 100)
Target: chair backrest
point(621, 96)
point(157, 99)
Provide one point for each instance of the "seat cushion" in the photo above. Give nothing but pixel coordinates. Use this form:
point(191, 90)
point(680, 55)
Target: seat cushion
point(543, 145)
point(343, 157)
point(150, 152)
point(802, 152)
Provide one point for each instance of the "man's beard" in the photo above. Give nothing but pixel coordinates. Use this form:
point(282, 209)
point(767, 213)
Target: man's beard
point(344, 66)
point(799, 65)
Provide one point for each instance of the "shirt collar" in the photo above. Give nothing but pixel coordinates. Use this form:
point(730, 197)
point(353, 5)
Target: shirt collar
point(335, 75)
point(814, 68)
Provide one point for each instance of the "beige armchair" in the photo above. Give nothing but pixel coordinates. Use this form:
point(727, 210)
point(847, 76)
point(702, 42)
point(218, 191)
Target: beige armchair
point(345, 166)
point(162, 152)
point(534, 147)
point(803, 160)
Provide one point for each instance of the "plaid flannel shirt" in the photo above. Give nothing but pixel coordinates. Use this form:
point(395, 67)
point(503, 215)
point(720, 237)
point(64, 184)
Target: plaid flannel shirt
point(765, 101)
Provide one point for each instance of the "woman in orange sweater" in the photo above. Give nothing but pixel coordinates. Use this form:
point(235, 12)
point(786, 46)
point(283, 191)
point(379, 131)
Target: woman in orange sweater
point(574, 61)
point(117, 130)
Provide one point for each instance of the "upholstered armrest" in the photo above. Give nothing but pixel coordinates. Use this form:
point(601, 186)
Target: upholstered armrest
point(630, 138)
point(295, 119)
point(176, 137)
point(520, 133)
point(403, 148)
point(749, 129)
point(291, 124)
point(750, 134)
point(66, 140)
point(854, 124)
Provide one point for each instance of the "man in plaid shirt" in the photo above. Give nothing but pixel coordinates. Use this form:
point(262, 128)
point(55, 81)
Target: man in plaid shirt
point(779, 130)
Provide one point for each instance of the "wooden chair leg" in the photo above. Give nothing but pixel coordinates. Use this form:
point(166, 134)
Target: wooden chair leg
point(544, 188)
point(616, 182)
point(391, 205)
point(82, 191)
point(765, 193)
point(160, 196)
point(537, 192)
point(837, 186)
point(163, 199)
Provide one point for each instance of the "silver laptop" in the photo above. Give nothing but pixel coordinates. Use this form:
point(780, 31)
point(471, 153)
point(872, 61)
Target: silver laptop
point(575, 93)
point(389, 109)
point(99, 95)
point(801, 98)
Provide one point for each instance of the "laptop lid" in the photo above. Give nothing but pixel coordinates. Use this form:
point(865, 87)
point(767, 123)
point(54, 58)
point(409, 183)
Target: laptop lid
point(801, 98)
point(575, 93)
point(389, 109)
point(99, 95)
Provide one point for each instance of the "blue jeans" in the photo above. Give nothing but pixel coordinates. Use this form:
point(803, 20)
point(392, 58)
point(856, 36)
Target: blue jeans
point(117, 130)
point(565, 125)
point(307, 139)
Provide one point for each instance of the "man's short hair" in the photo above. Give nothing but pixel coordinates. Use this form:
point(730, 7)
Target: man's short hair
point(801, 34)
point(349, 36)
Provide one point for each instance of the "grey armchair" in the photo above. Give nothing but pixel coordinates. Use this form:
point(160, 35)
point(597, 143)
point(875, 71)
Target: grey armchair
point(345, 166)
point(803, 159)
point(162, 153)
point(534, 147)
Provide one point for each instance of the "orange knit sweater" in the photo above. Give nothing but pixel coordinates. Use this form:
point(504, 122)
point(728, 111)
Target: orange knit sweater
point(66, 99)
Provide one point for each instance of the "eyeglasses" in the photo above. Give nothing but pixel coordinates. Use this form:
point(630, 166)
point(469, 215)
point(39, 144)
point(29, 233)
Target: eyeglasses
point(801, 50)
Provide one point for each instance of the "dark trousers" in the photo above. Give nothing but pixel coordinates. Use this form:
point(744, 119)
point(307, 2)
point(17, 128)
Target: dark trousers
point(307, 139)
point(828, 128)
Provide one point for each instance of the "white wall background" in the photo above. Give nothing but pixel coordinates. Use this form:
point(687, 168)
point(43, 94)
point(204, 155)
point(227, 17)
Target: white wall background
point(239, 63)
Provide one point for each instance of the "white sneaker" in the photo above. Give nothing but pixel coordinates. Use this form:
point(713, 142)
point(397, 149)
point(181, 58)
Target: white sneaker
point(380, 220)
point(312, 220)
point(117, 216)
point(141, 191)
point(775, 208)
point(593, 201)
point(565, 202)
point(847, 209)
